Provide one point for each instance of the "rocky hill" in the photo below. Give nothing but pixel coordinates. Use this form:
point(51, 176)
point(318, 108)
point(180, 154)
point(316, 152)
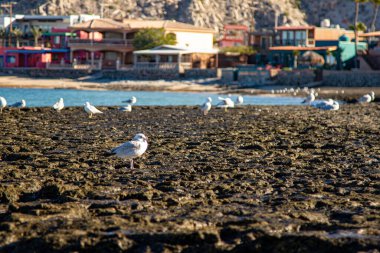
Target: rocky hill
point(208, 13)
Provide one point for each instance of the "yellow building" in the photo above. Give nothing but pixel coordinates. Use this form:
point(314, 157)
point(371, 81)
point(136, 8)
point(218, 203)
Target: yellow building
point(108, 44)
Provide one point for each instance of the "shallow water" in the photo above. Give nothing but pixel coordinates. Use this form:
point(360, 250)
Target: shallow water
point(47, 97)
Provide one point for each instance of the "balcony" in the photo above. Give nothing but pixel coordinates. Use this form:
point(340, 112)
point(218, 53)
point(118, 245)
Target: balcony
point(108, 43)
point(297, 42)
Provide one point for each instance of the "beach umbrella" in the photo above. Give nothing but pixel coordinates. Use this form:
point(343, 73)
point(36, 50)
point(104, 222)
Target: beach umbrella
point(313, 58)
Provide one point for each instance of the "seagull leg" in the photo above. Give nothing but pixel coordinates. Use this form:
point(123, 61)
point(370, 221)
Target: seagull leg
point(90, 115)
point(132, 164)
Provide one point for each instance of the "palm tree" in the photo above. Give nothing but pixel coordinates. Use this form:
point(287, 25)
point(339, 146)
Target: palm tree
point(3, 36)
point(17, 33)
point(37, 33)
point(376, 5)
point(357, 3)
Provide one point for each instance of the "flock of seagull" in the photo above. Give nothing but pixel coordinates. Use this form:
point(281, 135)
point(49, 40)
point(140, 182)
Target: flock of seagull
point(139, 144)
point(224, 103)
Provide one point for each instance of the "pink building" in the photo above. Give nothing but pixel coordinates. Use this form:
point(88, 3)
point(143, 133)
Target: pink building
point(234, 35)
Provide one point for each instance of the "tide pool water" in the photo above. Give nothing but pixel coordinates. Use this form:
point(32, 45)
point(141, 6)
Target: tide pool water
point(47, 97)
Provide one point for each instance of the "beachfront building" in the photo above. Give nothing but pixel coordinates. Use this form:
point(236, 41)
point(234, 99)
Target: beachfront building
point(261, 41)
point(105, 43)
point(234, 35)
point(292, 41)
point(46, 25)
point(101, 43)
point(29, 57)
point(372, 58)
point(194, 46)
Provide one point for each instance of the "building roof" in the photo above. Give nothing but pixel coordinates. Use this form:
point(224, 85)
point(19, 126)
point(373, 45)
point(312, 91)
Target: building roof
point(38, 51)
point(40, 17)
point(165, 24)
point(296, 48)
point(100, 24)
point(288, 28)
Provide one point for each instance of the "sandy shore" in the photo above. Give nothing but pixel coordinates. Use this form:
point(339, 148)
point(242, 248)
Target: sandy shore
point(347, 94)
point(273, 179)
point(160, 85)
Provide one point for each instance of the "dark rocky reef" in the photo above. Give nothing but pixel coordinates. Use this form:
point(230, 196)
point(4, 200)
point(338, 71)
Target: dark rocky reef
point(254, 179)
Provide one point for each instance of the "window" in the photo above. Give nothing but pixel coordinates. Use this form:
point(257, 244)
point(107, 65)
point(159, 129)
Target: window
point(57, 40)
point(300, 38)
point(284, 38)
point(11, 59)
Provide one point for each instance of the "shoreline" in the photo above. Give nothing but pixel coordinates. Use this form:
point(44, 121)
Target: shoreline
point(348, 94)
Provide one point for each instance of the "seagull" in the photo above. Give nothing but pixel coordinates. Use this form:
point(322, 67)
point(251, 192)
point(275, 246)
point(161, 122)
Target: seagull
point(19, 105)
point(206, 107)
point(132, 149)
point(131, 101)
point(367, 98)
point(322, 103)
point(226, 103)
point(372, 95)
point(90, 109)
point(127, 108)
point(59, 105)
point(3, 104)
point(239, 100)
point(309, 99)
point(331, 107)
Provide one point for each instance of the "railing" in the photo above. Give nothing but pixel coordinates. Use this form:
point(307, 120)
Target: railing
point(58, 66)
point(73, 66)
point(155, 65)
point(100, 42)
point(290, 42)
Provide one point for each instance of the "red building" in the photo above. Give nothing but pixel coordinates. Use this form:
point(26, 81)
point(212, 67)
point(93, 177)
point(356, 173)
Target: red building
point(234, 35)
point(28, 57)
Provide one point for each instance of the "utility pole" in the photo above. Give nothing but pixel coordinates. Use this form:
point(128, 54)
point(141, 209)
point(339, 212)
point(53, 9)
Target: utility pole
point(102, 5)
point(9, 7)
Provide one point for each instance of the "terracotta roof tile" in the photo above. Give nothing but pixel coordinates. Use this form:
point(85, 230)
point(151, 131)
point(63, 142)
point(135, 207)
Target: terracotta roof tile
point(166, 24)
point(96, 24)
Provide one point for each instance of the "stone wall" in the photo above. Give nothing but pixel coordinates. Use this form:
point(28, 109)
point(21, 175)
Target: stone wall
point(295, 77)
point(141, 74)
point(351, 78)
point(227, 75)
point(48, 73)
point(200, 73)
point(248, 78)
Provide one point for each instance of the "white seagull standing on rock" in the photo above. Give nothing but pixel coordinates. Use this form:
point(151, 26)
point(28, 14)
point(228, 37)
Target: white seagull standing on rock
point(127, 108)
point(206, 107)
point(3, 104)
point(131, 101)
point(90, 109)
point(368, 98)
point(59, 105)
point(132, 149)
point(239, 100)
point(226, 103)
point(309, 98)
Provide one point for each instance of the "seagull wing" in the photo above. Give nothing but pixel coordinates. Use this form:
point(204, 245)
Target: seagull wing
point(93, 109)
point(129, 148)
point(56, 105)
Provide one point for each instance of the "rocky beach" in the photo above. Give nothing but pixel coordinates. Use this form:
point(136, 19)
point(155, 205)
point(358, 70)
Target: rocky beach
point(255, 178)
